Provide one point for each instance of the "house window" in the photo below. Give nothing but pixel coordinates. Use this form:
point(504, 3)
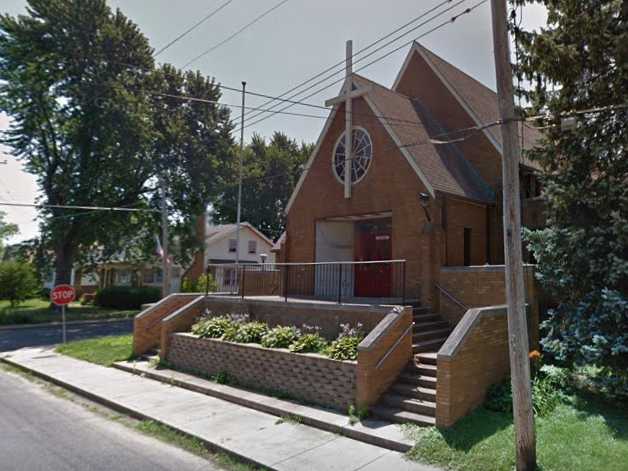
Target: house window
point(252, 246)
point(158, 275)
point(149, 276)
point(467, 246)
point(232, 245)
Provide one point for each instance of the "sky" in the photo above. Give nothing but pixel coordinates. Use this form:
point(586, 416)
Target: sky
point(291, 44)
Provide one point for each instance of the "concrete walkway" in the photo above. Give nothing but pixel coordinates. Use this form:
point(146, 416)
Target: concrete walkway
point(255, 436)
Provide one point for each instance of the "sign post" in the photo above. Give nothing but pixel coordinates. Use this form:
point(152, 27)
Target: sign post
point(62, 295)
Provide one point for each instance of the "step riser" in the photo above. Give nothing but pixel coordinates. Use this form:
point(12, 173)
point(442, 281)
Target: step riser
point(419, 336)
point(427, 348)
point(414, 394)
point(424, 409)
point(423, 383)
point(425, 360)
point(420, 371)
point(423, 318)
point(404, 420)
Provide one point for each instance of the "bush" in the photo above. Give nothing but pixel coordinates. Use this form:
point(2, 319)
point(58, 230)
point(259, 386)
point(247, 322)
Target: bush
point(281, 337)
point(213, 327)
point(17, 282)
point(345, 348)
point(309, 343)
point(199, 285)
point(251, 332)
point(547, 392)
point(125, 297)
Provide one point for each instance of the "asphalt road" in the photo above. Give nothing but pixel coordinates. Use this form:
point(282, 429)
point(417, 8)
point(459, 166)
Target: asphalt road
point(12, 339)
point(39, 431)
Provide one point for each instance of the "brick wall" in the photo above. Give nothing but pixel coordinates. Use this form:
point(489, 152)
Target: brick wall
point(147, 324)
point(474, 356)
point(383, 354)
point(258, 283)
point(478, 286)
point(308, 377)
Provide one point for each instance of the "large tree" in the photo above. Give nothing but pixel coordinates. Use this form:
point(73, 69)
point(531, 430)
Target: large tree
point(71, 79)
point(192, 146)
point(270, 173)
point(579, 62)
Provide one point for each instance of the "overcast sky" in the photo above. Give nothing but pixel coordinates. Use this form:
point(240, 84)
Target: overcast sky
point(294, 42)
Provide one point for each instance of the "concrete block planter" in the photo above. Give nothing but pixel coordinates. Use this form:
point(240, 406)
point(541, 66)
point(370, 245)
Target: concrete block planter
point(308, 377)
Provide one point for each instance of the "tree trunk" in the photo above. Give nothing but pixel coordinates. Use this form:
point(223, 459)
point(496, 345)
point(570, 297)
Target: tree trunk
point(64, 261)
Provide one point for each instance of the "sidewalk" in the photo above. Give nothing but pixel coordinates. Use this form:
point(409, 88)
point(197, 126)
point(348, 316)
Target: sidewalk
point(254, 436)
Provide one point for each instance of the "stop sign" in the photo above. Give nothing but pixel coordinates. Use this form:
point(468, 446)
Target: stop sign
point(62, 295)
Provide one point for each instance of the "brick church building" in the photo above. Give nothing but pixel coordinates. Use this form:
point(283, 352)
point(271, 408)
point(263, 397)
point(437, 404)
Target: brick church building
point(424, 187)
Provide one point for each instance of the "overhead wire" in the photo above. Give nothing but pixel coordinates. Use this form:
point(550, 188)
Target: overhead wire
point(358, 60)
point(193, 27)
point(236, 33)
point(430, 31)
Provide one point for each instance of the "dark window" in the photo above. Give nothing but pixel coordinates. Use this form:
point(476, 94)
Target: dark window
point(467, 246)
point(252, 246)
point(232, 245)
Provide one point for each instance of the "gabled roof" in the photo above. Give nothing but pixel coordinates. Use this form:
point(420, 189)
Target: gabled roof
point(479, 101)
point(443, 167)
point(215, 233)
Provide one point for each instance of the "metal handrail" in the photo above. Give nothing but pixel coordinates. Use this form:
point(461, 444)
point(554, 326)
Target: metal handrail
point(452, 298)
point(394, 346)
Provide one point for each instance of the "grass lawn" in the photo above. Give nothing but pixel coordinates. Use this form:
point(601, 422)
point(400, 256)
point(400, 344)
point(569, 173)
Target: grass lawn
point(100, 350)
point(37, 311)
point(582, 435)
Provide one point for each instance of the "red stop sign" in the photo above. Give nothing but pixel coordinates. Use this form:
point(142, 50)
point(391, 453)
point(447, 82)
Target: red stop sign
point(62, 294)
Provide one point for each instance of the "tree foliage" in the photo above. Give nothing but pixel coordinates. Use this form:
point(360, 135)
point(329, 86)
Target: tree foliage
point(17, 282)
point(271, 171)
point(577, 62)
point(6, 230)
point(89, 120)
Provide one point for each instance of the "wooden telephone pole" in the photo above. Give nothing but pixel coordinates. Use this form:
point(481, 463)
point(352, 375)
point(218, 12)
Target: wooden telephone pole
point(517, 325)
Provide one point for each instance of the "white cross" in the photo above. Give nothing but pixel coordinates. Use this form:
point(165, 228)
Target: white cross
point(346, 96)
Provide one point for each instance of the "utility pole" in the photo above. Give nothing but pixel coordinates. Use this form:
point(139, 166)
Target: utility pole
point(164, 241)
point(240, 164)
point(517, 325)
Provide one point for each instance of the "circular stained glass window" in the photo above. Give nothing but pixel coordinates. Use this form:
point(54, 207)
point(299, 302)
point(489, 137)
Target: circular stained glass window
point(362, 155)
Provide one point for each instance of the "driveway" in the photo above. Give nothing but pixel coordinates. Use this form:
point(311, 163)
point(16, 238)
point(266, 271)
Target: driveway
point(36, 336)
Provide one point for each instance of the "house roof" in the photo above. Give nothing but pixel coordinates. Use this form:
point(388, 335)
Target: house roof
point(215, 233)
point(441, 167)
point(279, 242)
point(479, 100)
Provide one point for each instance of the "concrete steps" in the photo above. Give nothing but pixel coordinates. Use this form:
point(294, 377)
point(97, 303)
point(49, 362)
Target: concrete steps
point(412, 398)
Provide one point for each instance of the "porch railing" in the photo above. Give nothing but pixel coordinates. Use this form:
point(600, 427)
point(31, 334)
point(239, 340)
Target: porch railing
point(330, 281)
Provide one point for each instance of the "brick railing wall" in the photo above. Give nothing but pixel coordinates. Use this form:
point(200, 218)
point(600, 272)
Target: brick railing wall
point(307, 377)
point(147, 324)
point(479, 286)
point(180, 321)
point(474, 356)
point(383, 354)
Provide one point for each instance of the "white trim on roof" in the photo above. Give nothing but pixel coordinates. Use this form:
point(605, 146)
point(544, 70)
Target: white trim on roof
point(212, 239)
point(310, 161)
point(452, 90)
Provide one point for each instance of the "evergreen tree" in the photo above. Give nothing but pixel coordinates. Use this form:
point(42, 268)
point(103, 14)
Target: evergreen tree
point(579, 62)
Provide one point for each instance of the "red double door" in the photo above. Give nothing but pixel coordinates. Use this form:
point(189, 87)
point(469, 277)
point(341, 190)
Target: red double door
point(373, 242)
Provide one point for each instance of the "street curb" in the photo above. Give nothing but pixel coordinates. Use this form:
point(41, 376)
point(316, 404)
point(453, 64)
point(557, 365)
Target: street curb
point(111, 404)
point(271, 408)
point(59, 324)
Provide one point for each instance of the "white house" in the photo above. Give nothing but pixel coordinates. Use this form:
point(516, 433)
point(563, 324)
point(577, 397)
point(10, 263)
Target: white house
point(219, 252)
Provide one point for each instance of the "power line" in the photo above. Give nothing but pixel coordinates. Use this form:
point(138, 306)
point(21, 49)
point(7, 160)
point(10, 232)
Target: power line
point(229, 38)
point(440, 25)
point(192, 28)
point(341, 63)
point(91, 208)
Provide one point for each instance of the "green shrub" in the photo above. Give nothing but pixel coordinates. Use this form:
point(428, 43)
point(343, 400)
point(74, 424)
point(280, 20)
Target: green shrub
point(126, 297)
point(251, 332)
point(547, 392)
point(213, 327)
point(308, 343)
point(344, 348)
point(280, 337)
point(17, 282)
point(199, 285)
